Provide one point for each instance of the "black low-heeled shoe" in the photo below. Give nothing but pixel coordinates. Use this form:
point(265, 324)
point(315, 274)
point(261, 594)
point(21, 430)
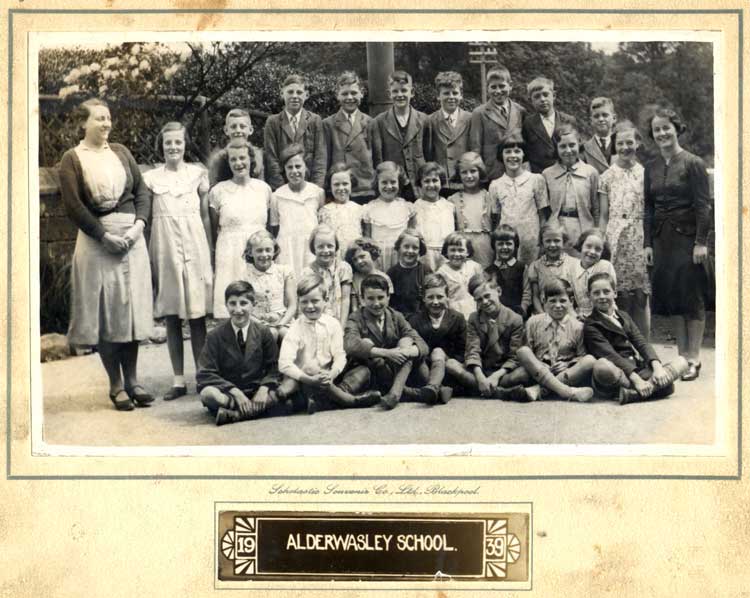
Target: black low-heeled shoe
point(175, 393)
point(125, 404)
point(693, 371)
point(139, 396)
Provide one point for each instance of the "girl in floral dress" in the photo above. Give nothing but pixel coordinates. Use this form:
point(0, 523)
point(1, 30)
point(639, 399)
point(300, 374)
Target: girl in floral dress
point(178, 247)
point(521, 198)
point(622, 202)
point(476, 214)
point(436, 216)
point(294, 210)
point(238, 208)
point(458, 270)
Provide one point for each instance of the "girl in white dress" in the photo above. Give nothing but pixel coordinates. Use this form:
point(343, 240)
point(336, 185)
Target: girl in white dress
point(180, 256)
point(342, 215)
point(386, 217)
point(458, 270)
point(238, 208)
point(294, 210)
point(436, 216)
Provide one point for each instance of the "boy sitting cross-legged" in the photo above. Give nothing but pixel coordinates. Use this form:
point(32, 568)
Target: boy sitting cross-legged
point(627, 366)
point(312, 354)
point(237, 371)
point(493, 335)
point(554, 355)
point(381, 344)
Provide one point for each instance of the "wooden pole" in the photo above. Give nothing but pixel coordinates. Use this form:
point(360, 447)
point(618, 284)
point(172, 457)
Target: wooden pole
point(380, 64)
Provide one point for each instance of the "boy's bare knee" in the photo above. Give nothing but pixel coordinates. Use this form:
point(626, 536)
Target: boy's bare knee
point(587, 361)
point(211, 397)
point(438, 355)
point(605, 372)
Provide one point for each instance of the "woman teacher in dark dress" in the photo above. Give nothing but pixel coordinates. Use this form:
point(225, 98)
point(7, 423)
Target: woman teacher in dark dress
point(111, 295)
point(677, 223)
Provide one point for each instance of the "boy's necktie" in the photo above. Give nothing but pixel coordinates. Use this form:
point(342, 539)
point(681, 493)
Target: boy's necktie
point(294, 125)
point(241, 340)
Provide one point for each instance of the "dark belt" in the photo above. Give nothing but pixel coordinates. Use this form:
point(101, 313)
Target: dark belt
point(569, 213)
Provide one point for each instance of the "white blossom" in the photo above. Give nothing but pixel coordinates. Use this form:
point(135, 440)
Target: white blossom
point(149, 85)
point(133, 61)
point(73, 75)
point(102, 90)
point(135, 49)
point(66, 91)
point(95, 67)
point(85, 70)
point(144, 65)
point(185, 54)
point(134, 73)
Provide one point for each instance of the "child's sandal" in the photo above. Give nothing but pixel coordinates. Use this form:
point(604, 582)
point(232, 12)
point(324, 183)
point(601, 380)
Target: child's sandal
point(124, 404)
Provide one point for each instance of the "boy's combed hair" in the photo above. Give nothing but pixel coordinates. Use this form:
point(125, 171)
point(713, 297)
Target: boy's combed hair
point(553, 226)
point(295, 149)
point(400, 77)
point(539, 83)
point(601, 102)
point(457, 238)
point(337, 168)
point(468, 160)
point(347, 78)
point(671, 115)
point(309, 282)
point(597, 232)
point(255, 238)
point(223, 169)
point(432, 168)
point(505, 232)
point(236, 113)
point(449, 79)
point(239, 288)
point(601, 276)
point(389, 166)
point(325, 229)
point(498, 71)
point(626, 125)
point(433, 281)
point(554, 287)
point(168, 128)
point(365, 244)
point(479, 280)
point(294, 79)
point(374, 281)
point(412, 232)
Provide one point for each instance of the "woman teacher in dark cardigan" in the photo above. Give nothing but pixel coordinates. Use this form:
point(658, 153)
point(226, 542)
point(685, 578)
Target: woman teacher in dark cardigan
point(111, 295)
point(677, 222)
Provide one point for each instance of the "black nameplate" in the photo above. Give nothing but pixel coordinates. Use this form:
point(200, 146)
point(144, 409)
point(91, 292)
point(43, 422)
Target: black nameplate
point(322, 546)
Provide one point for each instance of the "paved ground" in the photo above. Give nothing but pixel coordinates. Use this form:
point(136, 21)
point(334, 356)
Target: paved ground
point(77, 411)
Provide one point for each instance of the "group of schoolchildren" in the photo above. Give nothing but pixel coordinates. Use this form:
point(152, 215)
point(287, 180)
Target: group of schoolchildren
point(459, 252)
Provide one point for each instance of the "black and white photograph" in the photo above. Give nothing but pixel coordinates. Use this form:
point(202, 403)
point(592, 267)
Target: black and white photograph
point(416, 243)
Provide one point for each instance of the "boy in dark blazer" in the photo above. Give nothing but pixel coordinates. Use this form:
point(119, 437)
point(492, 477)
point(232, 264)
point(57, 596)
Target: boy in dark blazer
point(491, 122)
point(347, 138)
point(493, 335)
point(381, 345)
point(538, 128)
point(294, 124)
point(397, 135)
point(237, 370)
point(446, 136)
point(627, 366)
point(598, 150)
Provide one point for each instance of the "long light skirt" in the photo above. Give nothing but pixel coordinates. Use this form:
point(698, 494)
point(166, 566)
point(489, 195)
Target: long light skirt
point(111, 295)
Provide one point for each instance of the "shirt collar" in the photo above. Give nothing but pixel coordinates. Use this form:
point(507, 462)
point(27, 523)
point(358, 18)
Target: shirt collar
point(560, 170)
point(244, 330)
point(557, 262)
point(524, 176)
point(86, 148)
point(503, 265)
point(447, 116)
point(549, 321)
point(296, 116)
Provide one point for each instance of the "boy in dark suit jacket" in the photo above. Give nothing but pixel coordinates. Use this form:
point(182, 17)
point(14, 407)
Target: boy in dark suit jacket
point(398, 133)
point(493, 335)
point(491, 122)
point(347, 138)
point(446, 136)
point(237, 370)
point(626, 364)
point(538, 128)
point(598, 150)
point(294, 124)
point(381, 345)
